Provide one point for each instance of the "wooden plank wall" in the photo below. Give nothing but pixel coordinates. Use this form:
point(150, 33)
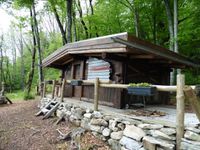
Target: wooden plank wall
point(135, 72)
point(108, 96)
point(154, 74)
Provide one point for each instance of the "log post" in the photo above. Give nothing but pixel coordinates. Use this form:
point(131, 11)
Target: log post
point(62, 90)
point(96, 94)
point(53, 89)
point(44, 89)
point(180, 106)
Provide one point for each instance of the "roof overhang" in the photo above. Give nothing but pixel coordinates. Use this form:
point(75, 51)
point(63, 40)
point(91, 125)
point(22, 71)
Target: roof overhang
point(118, 44)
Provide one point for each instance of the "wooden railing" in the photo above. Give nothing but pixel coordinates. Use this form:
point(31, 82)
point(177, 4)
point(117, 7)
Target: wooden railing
point(180, 89)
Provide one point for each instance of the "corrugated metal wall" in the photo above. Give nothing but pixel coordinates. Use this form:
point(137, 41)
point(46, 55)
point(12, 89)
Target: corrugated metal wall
point(98, 68)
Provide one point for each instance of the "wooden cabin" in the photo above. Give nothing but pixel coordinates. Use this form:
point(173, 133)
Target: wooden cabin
point(119, 58)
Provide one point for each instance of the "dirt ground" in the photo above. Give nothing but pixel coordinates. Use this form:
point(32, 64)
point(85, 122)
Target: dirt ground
point(21, 130)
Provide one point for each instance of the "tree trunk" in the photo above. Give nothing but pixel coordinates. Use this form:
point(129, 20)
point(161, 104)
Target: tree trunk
point(92, 13)
point(154, 17)
point(74, 24)
point(78, 5)
point(14, 57)
point(37, 37)
point(89, 20)
point(8, 74)
point(69, 20)
point(31, 73)
point(170, 24)
point(136, 22)
point(176, 29)
point(22, 60)
point(171, 35)
point(1, 61)
point(62, 31)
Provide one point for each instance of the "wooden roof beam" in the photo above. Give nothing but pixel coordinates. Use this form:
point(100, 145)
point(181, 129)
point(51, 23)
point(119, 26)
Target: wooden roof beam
point(68, 61)
point(162, 53)
point(114, 57)
point(161, 61)
point(142, 56)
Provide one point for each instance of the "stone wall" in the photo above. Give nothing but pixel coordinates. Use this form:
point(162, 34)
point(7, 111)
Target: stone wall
point(128, 134)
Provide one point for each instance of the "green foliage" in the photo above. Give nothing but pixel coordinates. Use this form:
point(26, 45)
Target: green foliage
point(22, 3)
point(144, 84)
point(19, 95)
point(191, 77)
point(28, 96)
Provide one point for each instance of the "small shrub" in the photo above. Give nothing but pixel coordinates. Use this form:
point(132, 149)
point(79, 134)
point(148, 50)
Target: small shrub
point(28, 96)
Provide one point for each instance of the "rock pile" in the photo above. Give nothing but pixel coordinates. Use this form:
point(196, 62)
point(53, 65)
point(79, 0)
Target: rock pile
point(128, 134)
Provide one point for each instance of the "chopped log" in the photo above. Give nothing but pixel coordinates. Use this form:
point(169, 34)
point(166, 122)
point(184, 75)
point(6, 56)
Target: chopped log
point(180, 107)
point(51, 111)
point(193, 99)
point(96, 94)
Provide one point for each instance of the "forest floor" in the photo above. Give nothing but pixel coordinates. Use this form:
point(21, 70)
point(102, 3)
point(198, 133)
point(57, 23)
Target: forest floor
point(21, 130)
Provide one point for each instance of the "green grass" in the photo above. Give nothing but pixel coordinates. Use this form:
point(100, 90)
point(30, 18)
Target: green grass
point(19, 96)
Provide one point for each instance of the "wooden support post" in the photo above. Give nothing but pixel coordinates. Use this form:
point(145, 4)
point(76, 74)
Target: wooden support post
point(53, 89)
point(96, 94)
point(191, 96)
point(62, 90)
point(44, 89)
point(180, 106)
